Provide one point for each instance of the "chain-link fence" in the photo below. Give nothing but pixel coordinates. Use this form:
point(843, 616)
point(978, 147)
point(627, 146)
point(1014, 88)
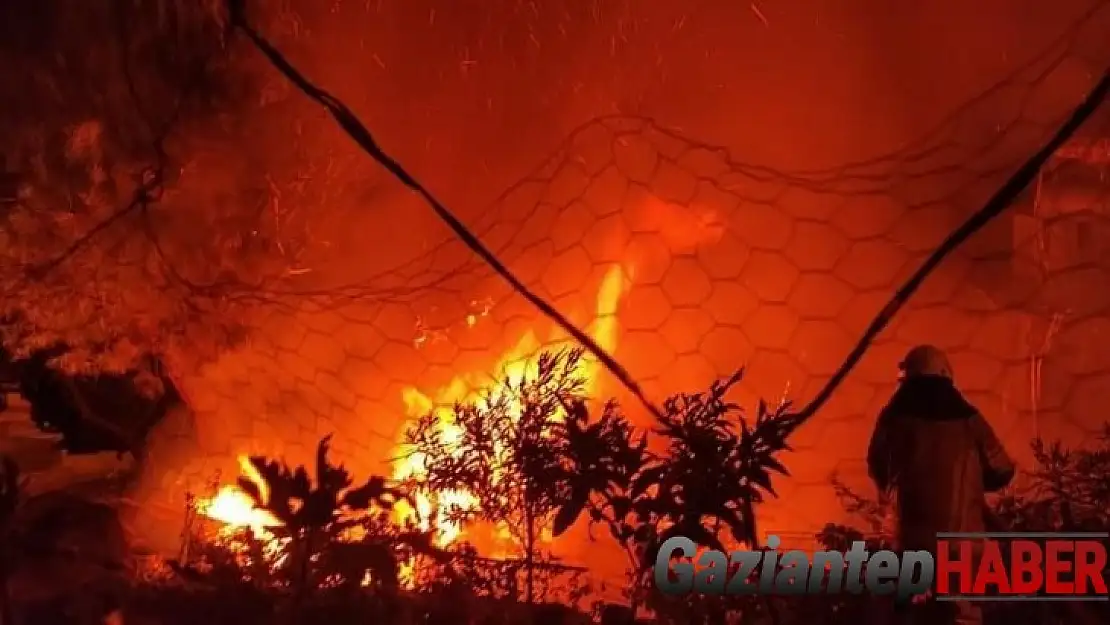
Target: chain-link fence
point(721, 264)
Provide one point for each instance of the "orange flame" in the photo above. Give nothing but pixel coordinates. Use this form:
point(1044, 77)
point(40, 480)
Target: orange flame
point(236, 510)
point(515, 365)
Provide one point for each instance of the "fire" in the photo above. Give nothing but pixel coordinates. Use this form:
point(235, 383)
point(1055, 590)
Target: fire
point(236, 510)
point(683, 227)
point(515, 365)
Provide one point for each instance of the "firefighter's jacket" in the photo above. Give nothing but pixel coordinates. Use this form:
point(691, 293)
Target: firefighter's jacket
point(937, 457)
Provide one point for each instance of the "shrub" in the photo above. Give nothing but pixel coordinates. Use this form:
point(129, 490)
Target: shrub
point(716, 466)
point(331, 536)
point(535, 451)
point(504, 453)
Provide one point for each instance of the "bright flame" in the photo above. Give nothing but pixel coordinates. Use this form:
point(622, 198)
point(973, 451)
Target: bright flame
point(235, 509)
point(515, 365)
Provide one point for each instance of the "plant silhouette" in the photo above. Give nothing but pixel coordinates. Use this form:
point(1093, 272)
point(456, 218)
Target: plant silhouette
point(715, 467)
point(335, 531)
point(505, 453)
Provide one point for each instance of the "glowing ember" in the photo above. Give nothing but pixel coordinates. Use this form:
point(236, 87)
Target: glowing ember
point(515, 365)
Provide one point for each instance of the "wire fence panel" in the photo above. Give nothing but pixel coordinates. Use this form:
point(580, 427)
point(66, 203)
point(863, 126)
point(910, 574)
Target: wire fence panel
point(687, 263)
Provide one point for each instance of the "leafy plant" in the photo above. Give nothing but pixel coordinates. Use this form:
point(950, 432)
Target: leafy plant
point(1067, 490)
point(719, 464)
point(716, 467)
point(873, 514)
point(600, 461)
point(331, 533)
point(470, 573)
point(502, 452)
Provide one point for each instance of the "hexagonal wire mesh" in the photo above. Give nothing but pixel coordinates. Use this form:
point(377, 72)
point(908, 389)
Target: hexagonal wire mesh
point(721, 264)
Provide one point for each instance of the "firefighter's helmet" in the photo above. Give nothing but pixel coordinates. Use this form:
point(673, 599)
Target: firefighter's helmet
point(925, 360)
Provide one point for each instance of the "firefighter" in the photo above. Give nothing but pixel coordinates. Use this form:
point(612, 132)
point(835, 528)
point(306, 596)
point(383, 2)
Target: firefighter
point(935, 457)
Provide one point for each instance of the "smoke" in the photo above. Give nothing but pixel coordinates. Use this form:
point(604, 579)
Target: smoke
point(470, 95)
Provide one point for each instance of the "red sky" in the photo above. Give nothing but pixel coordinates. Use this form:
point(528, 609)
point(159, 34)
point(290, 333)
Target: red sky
point(470, 94)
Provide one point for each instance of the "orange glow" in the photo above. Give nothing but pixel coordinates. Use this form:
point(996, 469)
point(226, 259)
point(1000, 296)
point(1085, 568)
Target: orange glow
point(682, 227)
point(236, 510)
point(517, 364)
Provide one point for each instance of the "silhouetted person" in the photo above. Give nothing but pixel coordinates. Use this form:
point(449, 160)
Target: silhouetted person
point(937, 457)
